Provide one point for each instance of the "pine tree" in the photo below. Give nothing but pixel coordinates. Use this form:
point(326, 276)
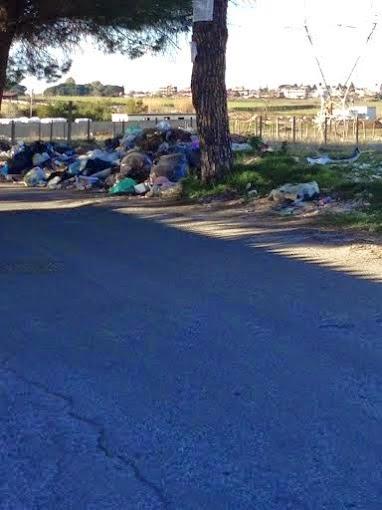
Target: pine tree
point(210, 93)
point(30, 28)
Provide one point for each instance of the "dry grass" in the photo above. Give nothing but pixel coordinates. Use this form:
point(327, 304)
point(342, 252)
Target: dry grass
point(10, 109)
point(155, 104)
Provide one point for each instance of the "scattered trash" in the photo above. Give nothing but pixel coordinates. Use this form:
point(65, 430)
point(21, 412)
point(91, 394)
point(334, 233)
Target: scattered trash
point(141, 189)
point(136, 165)
point(40, 159)
point(172, 166)
point(172, 192)
point(242, 147)
point(164, 126)
point(295, 192)
point(35, 177)
point(54, 183)
point(325, 201)
point(327, 160)
point(76, 167)
point(84, 182)
point(124, 187)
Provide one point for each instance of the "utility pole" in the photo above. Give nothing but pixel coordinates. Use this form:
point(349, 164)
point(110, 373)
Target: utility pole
point(31, 105)
point(70, 120)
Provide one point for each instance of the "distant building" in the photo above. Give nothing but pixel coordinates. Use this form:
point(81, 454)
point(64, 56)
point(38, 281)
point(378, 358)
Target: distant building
point(10, 95)
point(168, 91)
point(140, 94)
point(185, 92)
point(360, 92)
point(266, 94)
point(362, 112)
point(293, 92)
point(239, 92)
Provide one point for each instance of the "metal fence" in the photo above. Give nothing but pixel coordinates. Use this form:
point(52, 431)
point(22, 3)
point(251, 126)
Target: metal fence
point(64, 131)
point(270, 128)
point(306, 130)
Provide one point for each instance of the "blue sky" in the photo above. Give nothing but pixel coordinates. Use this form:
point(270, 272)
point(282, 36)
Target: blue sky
point(267, 46)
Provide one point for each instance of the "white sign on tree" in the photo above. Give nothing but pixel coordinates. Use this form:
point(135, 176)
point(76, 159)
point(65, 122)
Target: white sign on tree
point(203, 10)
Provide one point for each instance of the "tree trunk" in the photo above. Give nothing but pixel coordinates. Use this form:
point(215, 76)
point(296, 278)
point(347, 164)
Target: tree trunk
point(209, 94)
point(6, 38)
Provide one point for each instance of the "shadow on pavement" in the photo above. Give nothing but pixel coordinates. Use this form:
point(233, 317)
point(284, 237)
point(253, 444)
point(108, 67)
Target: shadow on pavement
point(145, 334)
point(357, 254)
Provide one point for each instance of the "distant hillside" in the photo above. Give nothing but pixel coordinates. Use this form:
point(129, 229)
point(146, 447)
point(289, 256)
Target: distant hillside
point(71, 88)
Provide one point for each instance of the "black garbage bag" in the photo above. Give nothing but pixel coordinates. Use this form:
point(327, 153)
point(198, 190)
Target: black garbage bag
point(21, 162)
point(178, 135)
point(112, 143)
point(172, 166)
point(94, 166)
point(191, 153)
point(4, 146)
point(136, 165)
point(62, 148)
point(38, 147)
point(150, 141)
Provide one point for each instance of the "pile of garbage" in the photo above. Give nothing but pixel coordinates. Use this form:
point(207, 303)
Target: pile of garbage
point(148, 162)
point(140, 162)
point(296, 193)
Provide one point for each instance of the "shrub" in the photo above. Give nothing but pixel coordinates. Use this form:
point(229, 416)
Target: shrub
point(95, 110)
point(135, 107)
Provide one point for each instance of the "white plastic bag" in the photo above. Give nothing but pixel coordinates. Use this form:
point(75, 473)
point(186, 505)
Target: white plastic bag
point(40, 159)
point(35, 177)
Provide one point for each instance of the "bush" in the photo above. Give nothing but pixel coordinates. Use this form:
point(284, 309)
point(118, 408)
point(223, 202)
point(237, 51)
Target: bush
point(12, 110)
point(95, 110)
point(134, 107)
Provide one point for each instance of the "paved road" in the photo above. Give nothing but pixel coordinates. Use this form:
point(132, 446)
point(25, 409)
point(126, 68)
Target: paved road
point(146, 368)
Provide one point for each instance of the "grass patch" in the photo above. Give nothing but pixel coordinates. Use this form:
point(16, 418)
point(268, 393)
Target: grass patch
point(195, 190)
point(263, 174)
point(368, 219)
point(243, 180)
point(365, 218)
point(275, 169)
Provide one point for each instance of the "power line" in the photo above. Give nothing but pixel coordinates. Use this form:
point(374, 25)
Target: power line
point(358, 59)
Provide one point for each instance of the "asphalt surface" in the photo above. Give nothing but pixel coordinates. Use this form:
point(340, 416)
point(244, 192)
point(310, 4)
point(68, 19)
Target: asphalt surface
point(145, 368)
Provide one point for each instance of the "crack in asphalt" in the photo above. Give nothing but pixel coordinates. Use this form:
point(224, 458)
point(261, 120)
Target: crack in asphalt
point(102, 445)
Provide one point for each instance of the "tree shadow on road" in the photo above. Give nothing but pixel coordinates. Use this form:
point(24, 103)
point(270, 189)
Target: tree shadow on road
point(357, 254)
